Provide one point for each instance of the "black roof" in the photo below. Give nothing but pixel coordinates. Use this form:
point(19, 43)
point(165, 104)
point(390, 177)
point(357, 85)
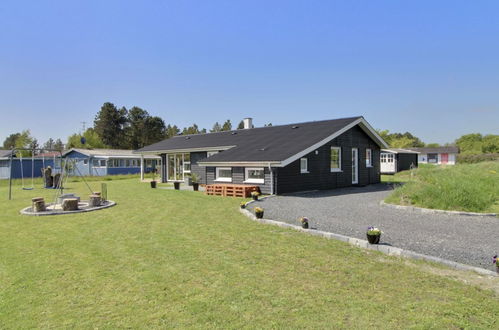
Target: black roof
point(437, 150)
point(265, 144)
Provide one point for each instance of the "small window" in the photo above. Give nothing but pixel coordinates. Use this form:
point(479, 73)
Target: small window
point(4, 163)
point(254, 175)
point(369, 158)
point(224, 174)
point(85, 162)
point(187, 167)
point(303, 165)
point(433, 158)
point(103, 162)
point(335, 159)
point(95, 163)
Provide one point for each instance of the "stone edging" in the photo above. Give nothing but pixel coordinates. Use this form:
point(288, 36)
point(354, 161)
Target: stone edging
point(389, 250)
point(25, 210)
point(425, 210)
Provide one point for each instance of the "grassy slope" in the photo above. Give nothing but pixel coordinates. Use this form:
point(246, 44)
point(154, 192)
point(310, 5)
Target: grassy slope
point(464, 187)
point(178, 258)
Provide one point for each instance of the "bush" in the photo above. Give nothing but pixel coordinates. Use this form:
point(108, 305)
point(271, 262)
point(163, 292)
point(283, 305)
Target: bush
point(477, 158)
point(464, 187)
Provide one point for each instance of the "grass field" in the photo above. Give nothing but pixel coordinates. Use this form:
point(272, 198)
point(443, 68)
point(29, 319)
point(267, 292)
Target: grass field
point(164, 258)
point(463, 187)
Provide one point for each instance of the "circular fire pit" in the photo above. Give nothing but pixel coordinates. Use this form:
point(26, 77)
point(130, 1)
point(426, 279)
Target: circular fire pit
point(56, 209)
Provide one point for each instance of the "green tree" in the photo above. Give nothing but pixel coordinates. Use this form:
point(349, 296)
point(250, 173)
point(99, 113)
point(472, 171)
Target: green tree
point(216, 128)
point(490, 144)
point(400, 140)
point(171, 131)
point(194, 129)
point(432, 145)
point(49, 144)
point(154, 131)
point(136, 130)
point(92, 140)
point(110, 125)
point(240, 125)
point(227, 126)
point(58, 145)
point(470, 144)
point(21, 140)
point(10, 141)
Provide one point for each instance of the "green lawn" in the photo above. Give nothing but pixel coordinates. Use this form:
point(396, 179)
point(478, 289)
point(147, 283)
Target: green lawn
point(164, 258)
point(462, 187)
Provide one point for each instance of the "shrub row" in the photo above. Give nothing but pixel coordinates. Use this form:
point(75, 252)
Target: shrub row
point(470, 159)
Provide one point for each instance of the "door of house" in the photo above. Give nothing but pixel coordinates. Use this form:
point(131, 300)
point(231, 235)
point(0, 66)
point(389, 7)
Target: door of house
point(387, 162)
point(355, 166)
point(444, 158)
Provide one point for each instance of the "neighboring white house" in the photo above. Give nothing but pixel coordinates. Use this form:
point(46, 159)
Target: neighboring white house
point(439, 155)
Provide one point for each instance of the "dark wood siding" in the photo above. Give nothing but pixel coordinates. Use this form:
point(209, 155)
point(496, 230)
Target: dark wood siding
point(289, 178)
point(404, 161)
point(200, 171)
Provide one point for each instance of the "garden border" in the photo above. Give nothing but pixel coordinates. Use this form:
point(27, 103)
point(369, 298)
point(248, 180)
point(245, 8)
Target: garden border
point(426, 210)
point(386, 249)
point(60, 212)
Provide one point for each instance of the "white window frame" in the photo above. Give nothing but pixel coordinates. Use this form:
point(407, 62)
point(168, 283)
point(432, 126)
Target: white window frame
point(369, 157)
point(246, 175)
point(223, 179)
point(339, 169)
point(302, 168)
point(99, 162)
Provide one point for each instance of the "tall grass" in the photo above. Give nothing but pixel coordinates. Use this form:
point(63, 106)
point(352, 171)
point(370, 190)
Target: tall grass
point(463, 187)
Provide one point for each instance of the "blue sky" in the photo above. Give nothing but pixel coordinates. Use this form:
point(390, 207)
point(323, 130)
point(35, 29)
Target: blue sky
point(428, 67)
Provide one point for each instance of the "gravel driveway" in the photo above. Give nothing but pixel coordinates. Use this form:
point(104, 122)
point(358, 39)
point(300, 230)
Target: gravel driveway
point(471, 240)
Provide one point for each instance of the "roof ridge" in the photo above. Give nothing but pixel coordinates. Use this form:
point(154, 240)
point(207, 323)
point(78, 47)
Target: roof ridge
point(263, 127)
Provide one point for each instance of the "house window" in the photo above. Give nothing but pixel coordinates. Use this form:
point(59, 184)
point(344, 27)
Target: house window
point(433, 158)
point(254, 175)
point(335, 159)
point(369, 158)
point(85, 162)
point(303, 165)
point(224, 174)
point(4, 163)
point(99, 163)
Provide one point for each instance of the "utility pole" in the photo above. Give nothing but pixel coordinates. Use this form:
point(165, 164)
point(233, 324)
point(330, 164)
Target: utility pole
point(83, 123)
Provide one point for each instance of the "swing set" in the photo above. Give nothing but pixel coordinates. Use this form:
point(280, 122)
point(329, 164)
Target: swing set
point(20, 150)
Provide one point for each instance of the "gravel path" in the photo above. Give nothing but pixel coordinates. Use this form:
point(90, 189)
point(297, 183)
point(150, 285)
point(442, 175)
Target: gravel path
point(471, 240)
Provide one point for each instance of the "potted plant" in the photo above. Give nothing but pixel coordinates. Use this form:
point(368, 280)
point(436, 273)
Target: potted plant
point(243, 205)
point(495, 261)
point(255, 195)
point(153, 181)
point(176, 185)
point(195, 181)
point(373, 235)
point(259, 212)
point(304, 222)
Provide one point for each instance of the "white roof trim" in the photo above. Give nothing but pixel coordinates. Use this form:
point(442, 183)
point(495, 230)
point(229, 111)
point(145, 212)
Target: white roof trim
point(361, 122)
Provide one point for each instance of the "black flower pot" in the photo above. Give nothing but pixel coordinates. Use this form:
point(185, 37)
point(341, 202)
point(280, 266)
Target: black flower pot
point(243, 206)
point(373, 239)
point(153, 184)
point(259, 215)
point(304, 225)
point(176, 185)
point(195, 186)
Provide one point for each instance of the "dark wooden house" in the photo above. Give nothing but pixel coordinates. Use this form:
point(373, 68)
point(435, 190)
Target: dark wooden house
point(278, 159)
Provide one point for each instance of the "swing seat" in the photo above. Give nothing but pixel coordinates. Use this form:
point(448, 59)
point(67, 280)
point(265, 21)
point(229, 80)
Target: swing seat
point(27, 188)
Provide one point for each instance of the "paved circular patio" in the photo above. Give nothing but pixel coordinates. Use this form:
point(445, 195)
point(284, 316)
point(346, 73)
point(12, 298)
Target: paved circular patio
point(471, 240)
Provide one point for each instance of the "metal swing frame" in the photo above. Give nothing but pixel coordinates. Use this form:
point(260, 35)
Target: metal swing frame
point(14, 150)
